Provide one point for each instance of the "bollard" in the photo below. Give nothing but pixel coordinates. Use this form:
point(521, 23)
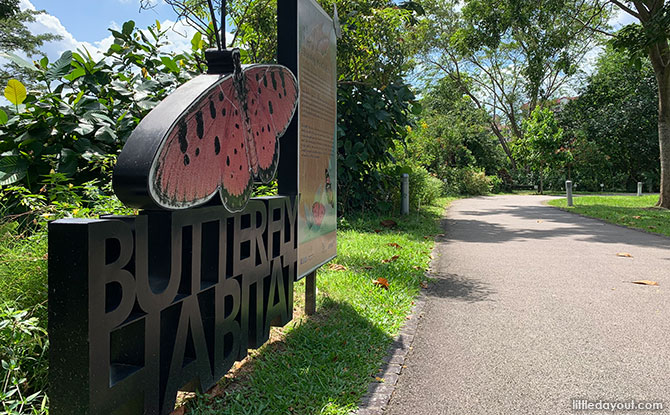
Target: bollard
point(405, 194)
point(639, 188)
point(568, 191)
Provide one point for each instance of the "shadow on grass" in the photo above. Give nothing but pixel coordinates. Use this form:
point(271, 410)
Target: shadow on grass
point(417, 225)
point(323, 364)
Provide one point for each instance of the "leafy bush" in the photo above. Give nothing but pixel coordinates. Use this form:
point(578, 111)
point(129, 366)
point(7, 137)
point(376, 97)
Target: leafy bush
point(24, 362)
point(370, 123)
point(424, 188)
point(474, 182)
point(85, 109)
point(497, 184)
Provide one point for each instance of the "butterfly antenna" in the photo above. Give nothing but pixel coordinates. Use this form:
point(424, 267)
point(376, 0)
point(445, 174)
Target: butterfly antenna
point(216, 30)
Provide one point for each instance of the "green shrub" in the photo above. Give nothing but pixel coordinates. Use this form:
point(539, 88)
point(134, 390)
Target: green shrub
point(497, 184)
point(24, 362)
point(474, 182)
point(430, 190)
point(424, 188)
point(84, 110)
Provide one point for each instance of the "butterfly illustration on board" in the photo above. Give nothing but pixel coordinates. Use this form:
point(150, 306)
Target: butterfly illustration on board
point(222, 142)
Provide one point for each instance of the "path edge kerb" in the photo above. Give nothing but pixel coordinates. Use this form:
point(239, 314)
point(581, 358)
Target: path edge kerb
point(376, 399)
point(379, 394)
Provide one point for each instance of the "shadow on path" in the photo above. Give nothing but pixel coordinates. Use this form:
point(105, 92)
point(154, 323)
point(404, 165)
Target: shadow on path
point(544, 218)
point(458, 287)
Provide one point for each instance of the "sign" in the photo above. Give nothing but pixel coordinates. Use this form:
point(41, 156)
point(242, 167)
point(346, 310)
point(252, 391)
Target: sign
point(317, 116)
point(215, 135)
point(143, 306)
point(306, 28)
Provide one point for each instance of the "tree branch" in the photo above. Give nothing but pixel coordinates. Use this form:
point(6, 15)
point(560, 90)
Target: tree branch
point(625, 8)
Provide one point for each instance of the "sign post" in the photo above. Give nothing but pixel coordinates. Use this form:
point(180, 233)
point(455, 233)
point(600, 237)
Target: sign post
point(308, 46)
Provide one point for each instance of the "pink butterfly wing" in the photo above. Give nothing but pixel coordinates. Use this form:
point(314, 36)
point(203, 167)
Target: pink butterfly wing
point(204, 153)
point(272, 97)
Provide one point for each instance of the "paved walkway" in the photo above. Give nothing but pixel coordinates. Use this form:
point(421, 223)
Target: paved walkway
point(532, 308)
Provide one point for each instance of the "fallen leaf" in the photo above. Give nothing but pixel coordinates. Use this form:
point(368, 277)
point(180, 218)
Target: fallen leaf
point(652, 227)
point(378, 231)
point(388, 223)
point(540, 221)
point(368, 267)
point(394, 245)
point(337, 267)
point(378, 379)
point(637, 217)
point(423, 284)
point(381, 282)
point(393, 258)
point(645, 282)
point(624, 255)
point(418, 268)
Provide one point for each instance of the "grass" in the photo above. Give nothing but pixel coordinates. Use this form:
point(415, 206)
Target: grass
point(323, 364)
point(23, 268)
point(636, 212)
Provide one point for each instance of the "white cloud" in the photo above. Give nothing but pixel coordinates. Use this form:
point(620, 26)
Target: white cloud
point(178, 36)
point(46, 23)
point(621, 19)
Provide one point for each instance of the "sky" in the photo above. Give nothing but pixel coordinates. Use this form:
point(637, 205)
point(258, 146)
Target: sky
point(85, 23)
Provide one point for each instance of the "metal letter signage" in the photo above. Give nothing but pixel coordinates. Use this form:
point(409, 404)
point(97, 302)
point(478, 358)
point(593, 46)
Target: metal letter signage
point(141, 307)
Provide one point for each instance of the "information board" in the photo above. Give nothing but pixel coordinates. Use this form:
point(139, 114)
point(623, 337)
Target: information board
point(317, 161)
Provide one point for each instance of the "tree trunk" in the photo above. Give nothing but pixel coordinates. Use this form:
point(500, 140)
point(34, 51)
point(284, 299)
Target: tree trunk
point(662, 72)
point(503, 143)
point(541, 184)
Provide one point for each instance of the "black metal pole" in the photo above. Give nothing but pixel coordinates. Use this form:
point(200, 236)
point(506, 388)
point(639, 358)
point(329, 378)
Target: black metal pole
point(223, 24)
point(310, 293)
point(216, 30)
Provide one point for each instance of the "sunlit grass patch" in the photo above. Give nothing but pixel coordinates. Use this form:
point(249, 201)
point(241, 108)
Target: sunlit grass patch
point(637, 212)
point(324, 363)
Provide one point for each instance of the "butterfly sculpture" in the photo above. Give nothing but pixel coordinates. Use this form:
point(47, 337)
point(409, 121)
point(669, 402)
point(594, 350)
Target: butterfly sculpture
point(216, 134)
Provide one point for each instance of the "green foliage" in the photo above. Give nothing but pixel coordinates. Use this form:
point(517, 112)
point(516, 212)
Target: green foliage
point(613, 125)
point(452, 141)
point(474, 182)
point(87, 108)
point(23, 359)
point(370, 123)
point(543, 146)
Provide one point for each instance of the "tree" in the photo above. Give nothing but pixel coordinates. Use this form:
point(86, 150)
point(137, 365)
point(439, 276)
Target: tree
point(651, 36)
point(542, 146)
point(453, 133)
point(510, 54)
point(15, 36)
point(613, 124)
